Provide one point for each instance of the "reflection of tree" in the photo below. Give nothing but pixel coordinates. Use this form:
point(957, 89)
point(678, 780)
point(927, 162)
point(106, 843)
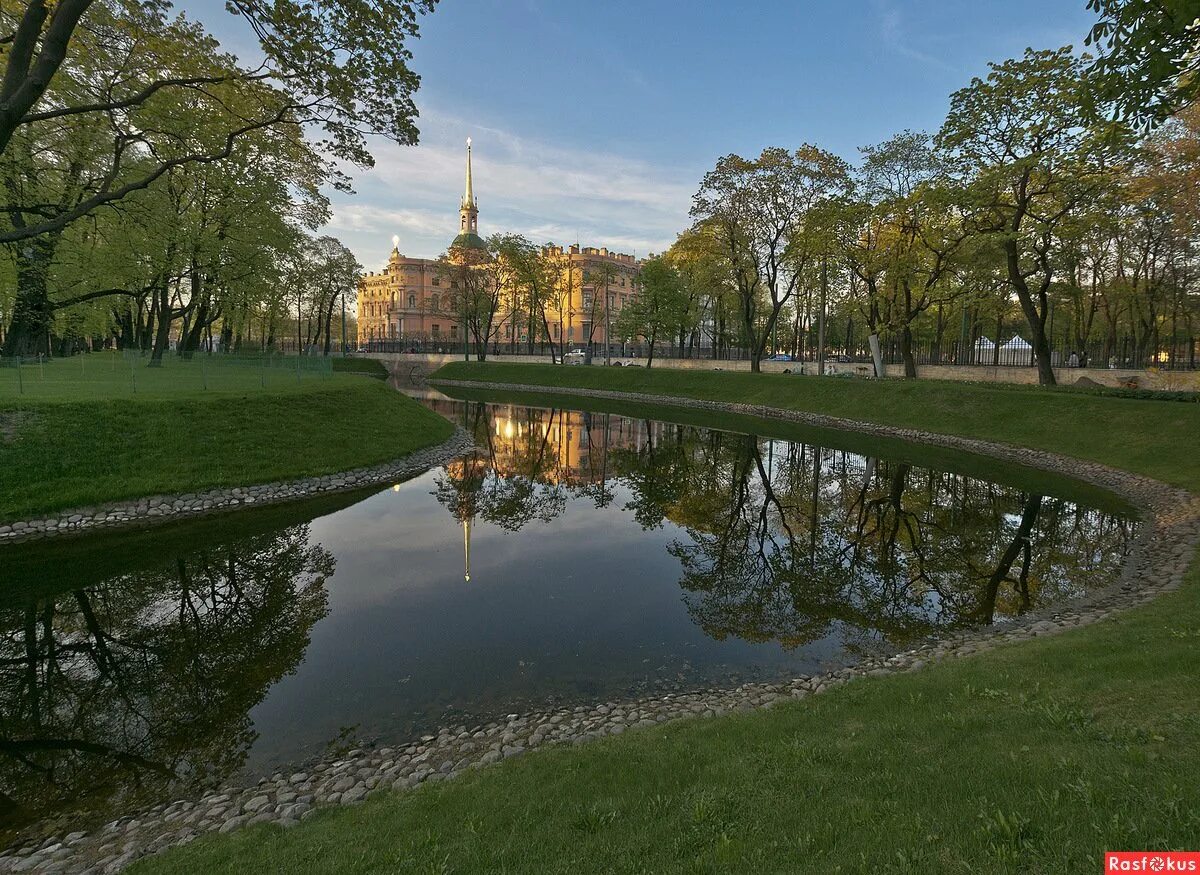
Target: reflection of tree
point(791, 542)
point(796, 545)
point(146, 679)
point(509, 484)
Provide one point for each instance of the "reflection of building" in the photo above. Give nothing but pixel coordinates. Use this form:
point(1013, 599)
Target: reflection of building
point(410, 299)
point(549, 445)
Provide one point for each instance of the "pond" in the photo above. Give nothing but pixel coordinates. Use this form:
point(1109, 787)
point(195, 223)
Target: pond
point(577, 557)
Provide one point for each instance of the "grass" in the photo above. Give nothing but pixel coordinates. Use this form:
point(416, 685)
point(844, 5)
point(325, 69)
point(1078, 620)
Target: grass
point(1030, 758)
point(370, 367)
point(127, 375)
point(85, 443)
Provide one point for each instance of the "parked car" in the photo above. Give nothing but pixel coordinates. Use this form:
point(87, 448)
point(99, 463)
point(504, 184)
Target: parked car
point(575, 357)
point(780, 357)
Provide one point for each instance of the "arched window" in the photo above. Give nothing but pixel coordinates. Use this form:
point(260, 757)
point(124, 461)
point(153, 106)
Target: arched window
point(433, 303)
point(412, 301)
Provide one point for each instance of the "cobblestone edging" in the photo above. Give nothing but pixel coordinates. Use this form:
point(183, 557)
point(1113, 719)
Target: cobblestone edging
point(1157, 563)
point(165, 508)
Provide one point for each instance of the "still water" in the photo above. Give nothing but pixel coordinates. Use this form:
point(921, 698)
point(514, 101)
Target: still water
point(576, 557)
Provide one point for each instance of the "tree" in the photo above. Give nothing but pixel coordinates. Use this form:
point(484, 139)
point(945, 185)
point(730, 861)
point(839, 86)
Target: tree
point(758, 209)
point(335, 273)
point(704, 285)
point(342, 65)
point(484, 281)
point(1149, 66)
point(654, 310)
point(54, 170)
point(908, 236)
point(1027, 155)
point(597, 305)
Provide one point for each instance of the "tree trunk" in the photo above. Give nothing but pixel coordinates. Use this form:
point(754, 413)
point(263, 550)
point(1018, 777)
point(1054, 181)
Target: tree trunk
point(1035, 313)
point(906, 351)
point(29, 332)
point(162, 336)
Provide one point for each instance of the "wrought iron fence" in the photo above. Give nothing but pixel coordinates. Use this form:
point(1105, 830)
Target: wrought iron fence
point(1011, 352)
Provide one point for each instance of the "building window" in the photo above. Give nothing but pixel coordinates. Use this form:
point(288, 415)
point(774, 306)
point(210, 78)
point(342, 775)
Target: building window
point(437, 330)
point(437, 280)
point(453, 332)
point(433, 303)
point(412, 301)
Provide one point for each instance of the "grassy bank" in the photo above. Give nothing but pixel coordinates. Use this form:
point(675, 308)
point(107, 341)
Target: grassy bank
point(1030, 758)
point(369, 367)
point(80, 447)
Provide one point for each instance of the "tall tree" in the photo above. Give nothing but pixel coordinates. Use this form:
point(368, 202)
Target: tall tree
point(655, 310)
point(759, 209)
point(1028, 155)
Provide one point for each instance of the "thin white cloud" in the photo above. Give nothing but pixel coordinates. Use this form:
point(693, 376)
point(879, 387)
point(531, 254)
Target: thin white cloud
point(895, 36)
point(523, 185)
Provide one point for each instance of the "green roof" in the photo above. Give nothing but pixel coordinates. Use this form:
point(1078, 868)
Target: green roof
point(468, 240)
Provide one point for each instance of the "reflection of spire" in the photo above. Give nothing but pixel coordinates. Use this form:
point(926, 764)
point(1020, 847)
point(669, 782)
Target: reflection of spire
point(467, 548)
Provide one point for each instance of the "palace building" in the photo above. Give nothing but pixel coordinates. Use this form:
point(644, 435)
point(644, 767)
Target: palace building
point(412, 301)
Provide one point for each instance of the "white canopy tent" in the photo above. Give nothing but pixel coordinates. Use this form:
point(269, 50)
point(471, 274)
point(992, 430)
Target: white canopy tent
point(1016, 351)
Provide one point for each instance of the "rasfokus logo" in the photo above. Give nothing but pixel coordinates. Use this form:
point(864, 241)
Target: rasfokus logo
point(1152, 861)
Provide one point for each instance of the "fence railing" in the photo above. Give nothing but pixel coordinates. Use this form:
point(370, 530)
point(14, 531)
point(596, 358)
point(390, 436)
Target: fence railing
point(1179, 354)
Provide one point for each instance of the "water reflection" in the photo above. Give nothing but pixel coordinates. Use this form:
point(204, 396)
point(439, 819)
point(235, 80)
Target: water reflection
point(121, 688)
point(576, 557)
point(786, 542)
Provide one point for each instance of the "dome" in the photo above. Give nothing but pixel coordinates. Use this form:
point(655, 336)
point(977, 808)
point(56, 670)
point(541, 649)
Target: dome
point(468, 240)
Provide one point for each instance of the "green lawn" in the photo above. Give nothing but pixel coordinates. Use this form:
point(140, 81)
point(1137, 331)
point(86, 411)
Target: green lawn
point(90, 441)
point(1030, 758)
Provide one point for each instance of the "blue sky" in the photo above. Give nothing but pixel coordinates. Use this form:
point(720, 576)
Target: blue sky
point(595, 121)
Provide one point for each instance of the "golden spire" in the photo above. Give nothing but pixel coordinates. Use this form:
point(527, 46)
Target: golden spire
point(468, 195)
point(468, 212)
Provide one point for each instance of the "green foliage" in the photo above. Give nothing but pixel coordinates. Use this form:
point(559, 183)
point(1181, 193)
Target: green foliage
point(658, 307)
point(1149, 67)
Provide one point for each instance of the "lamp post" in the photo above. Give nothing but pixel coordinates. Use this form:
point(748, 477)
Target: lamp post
point(344, 350)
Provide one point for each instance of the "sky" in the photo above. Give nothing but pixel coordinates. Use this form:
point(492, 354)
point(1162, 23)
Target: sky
point(594, 122)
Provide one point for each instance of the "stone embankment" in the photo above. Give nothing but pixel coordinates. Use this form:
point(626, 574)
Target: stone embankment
point(1157, 563)
point(165, 508)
